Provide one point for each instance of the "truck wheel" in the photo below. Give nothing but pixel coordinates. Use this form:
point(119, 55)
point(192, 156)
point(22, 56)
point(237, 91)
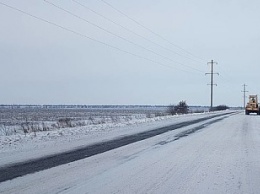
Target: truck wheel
point(247, 113)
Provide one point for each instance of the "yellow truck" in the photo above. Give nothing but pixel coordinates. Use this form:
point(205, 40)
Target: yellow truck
point(252, 105)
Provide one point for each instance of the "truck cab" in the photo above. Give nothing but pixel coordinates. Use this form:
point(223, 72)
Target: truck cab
point(252, 105)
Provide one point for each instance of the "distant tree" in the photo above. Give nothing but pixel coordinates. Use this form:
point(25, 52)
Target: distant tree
point(171, 110)
point(219, 107)
point(180, 108)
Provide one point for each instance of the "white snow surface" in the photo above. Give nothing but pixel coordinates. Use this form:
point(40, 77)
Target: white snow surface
point(223, 157)
point(17, 148)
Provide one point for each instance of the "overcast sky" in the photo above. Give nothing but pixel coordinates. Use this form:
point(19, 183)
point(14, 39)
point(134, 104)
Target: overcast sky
point(151, 52)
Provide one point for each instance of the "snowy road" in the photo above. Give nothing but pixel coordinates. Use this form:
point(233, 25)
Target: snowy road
point(45, 162)
point(221, 156)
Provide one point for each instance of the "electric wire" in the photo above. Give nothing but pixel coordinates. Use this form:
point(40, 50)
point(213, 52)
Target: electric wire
point(228, 84)
point(148, 29)
point(89, 38)
point(120, 37)
point(131, 31)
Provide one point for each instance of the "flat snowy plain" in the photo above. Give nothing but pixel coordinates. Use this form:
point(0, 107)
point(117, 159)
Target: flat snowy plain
point(221, 157)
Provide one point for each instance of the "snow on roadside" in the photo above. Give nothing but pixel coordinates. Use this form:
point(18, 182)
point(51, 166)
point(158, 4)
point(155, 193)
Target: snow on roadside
point(19, 147)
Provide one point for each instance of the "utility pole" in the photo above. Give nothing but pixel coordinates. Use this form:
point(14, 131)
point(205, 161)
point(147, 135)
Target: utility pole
point(244, 91)
point(212, 82)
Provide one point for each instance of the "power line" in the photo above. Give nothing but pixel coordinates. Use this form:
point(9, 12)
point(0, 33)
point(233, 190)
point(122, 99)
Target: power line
point(122, 38)
point(87, 37)
point(231, 86)
point(212, 82)
point(131, 31)
point(148, 29)
point(244, 91)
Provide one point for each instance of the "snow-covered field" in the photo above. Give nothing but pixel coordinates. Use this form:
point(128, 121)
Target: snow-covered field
point(223, 157)
point(20, 147)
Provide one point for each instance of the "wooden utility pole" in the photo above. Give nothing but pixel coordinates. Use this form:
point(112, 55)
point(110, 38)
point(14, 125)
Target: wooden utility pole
point(212, 82)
